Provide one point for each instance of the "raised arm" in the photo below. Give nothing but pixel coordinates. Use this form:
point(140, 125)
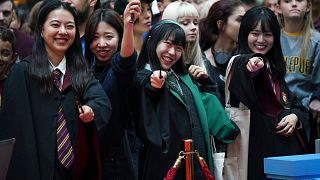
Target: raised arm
point(133, 10)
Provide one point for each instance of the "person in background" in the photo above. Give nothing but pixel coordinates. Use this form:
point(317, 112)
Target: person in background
point(219, 37)
point(277, 118)
point(204, 12)
point(186, 15)
point(25, 42)
point(198, 4)
point(52, 104)
point(316, 14)
point(109, 4)
point(161, 4)
point(170, 107)
point(30, 24)
point(109, 49)
point(8, 55)
point(300, 45)
point(271, 4)
point(17, 20)
point(84, 10)
point(142, 25)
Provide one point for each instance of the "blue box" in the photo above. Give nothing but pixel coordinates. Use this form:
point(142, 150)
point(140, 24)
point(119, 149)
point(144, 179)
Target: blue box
point(293, 167)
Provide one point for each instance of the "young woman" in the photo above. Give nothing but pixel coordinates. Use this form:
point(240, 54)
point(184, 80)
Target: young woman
point(277, 119)
point(172, 108)
point(8, 55)
point(301, 50)
point(142, 25)
point(109, 48)
point(52, 104)
point(219, 37)
point(187, 17)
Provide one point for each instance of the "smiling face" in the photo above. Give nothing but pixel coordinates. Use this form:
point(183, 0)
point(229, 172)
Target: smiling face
point(168, 53)
point(190, 25)
point(58, 32)
point(259, 41)
point(6, 57)
point(105, 43)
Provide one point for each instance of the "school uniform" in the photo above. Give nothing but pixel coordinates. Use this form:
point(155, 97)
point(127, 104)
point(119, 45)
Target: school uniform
point(177, 112)
point(269, 101)
point(31, 118)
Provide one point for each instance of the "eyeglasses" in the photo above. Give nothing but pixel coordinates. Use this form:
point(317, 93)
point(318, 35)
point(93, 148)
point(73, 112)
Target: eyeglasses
point(6, 13)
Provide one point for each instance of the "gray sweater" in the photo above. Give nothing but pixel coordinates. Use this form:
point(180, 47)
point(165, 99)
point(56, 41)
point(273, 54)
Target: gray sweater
point(303, 74)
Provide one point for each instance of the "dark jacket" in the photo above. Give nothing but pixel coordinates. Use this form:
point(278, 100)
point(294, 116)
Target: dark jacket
point(117, 80)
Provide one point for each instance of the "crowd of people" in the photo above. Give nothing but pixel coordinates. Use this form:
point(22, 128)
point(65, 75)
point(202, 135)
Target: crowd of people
point(107, 90)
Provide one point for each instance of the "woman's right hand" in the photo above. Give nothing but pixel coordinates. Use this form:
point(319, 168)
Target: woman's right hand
point(157, 81)
point(132, 11)
point(254, 64)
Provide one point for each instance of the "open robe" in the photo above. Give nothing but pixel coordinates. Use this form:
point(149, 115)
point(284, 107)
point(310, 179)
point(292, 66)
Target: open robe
point(31, 118)
point(266, 109)
point(163, 120)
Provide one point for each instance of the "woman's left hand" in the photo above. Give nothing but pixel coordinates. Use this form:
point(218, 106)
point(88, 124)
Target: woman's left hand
point(197, 72)
point(287, 125)
point(86, 113)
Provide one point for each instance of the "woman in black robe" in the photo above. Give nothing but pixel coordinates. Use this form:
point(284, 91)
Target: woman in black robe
point(277, 120)
point(33, 100)
point(172, 108)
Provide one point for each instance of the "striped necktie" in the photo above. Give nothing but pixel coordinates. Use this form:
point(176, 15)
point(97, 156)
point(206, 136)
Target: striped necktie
point(64, 146)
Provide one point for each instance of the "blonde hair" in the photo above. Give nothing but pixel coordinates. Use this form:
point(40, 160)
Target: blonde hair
point(192, 52)
point(306, 29)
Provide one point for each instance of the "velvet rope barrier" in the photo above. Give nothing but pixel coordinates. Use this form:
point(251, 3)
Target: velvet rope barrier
point(205, 169)
point(173, 170)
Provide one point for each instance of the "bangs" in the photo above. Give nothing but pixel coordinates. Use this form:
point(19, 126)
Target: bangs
point(184, 11)
point(172, 32)
point(177, 38)
point(179, 9)
point(265, 25)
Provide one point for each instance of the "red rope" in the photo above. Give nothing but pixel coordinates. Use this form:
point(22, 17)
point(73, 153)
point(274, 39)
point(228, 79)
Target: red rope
point(207, 173)
point(173, 170)
point(205, 168)
point(170, 174)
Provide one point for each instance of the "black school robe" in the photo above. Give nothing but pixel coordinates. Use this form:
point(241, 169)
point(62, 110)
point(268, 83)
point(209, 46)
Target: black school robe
point(165, 121)
point(266, 111)
point(31, 118)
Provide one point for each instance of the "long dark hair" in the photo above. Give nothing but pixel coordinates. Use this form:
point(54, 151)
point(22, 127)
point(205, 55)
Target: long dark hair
point(108, 16)
point(269, 22)
point(39, 67)
point(209, 31)
point(163, 30)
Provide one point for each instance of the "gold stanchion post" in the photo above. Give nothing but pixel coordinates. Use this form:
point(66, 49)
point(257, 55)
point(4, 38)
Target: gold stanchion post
point(189, 150)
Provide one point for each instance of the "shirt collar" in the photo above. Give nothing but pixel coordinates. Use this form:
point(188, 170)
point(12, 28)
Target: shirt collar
point(62, 65)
